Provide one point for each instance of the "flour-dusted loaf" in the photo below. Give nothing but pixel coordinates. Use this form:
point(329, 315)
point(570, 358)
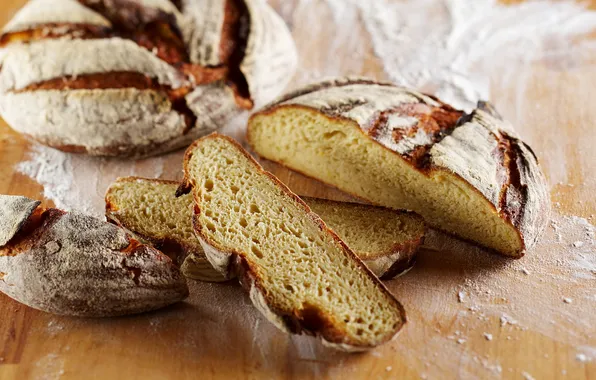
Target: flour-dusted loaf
point(136, 78)
point(467, 174)
point(298, 273)
point(385, 240)
point(77, 265)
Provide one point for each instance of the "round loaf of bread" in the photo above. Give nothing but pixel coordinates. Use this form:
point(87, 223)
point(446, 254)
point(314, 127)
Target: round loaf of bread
point(138, 77)
point(467, 174)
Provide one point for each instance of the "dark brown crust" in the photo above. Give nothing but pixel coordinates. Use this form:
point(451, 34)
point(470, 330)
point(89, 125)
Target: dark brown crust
point(269, 110)
point(436, 122)
point(407, 260)
point(331, 335)
point(236, 30)
point(151, 28)
point(55, 30)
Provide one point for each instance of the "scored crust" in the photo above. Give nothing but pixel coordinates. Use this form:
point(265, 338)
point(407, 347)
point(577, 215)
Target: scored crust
point(74, 264)
point(480, 149)
point(151, 38)
point(232, 262)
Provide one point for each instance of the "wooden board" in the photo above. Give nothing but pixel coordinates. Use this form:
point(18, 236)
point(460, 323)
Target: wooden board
point(471, 314)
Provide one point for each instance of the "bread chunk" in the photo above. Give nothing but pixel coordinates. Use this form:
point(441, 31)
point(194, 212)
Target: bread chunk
point(73, 264)
point(298, 273)
point(466, 174)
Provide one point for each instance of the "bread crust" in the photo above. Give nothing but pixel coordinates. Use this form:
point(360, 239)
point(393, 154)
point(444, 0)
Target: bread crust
point(234, 262)
point(73, 264)
point(502, 169)
point(48, 56)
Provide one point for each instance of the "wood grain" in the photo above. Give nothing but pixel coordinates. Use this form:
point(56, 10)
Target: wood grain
point(212, 335)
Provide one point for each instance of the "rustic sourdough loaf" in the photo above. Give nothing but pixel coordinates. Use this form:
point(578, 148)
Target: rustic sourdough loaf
point(467, 174)
point(134, 78)
point(298, 273)
point(385, 240)
point(74, 264)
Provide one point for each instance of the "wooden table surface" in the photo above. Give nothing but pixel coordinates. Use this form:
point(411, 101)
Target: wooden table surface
point(458, 326)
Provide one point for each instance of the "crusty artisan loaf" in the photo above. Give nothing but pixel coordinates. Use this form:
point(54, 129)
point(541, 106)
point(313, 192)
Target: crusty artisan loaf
point(134, 78)
point(467, 174)
point(385, 240)
point(298, 273)
point(74, 264)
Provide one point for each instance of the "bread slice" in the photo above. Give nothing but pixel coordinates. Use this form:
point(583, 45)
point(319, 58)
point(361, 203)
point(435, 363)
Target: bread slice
point(385, 240)
point(298, 273)
point(467, 174)
point(73, 264)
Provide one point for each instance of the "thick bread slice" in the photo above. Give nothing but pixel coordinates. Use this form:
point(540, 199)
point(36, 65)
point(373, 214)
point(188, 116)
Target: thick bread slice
point(385, 240)
point(77, 265)
point(469, 175)
point(298, 273)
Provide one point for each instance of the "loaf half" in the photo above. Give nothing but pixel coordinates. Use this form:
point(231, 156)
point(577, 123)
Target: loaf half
point(74, 264)
point(298, 273)
point(136, 78)
point(467, 174)
point(385, 240)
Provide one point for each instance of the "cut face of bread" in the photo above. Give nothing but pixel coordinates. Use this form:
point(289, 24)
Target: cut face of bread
point(469, 175)
point(385, 240)
point(150, 210)
point(74, 264)
point(298, 273)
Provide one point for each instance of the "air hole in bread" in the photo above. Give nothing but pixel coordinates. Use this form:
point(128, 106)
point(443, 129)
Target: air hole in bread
point(255, 250)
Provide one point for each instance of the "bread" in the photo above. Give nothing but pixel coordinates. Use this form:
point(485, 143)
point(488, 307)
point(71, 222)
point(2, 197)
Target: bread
point(298, 273)
point(74, 264)
point(386, 241)
point(467, 174)
point(138, 78)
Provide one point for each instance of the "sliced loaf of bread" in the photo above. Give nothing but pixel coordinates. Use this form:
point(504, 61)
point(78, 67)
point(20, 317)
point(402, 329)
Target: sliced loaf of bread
point(467, 174)
point(386, 240)
point(298, 273)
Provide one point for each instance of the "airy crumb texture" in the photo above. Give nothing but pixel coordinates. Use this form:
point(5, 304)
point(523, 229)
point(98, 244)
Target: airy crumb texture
point(384, 239)
point(299, 274)
point(469, 175)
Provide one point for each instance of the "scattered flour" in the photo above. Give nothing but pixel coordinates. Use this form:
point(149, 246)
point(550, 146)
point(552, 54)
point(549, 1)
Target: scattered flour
point(470, 43)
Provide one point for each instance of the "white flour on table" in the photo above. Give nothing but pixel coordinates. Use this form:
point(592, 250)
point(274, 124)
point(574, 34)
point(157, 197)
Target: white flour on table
point(446, 47)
